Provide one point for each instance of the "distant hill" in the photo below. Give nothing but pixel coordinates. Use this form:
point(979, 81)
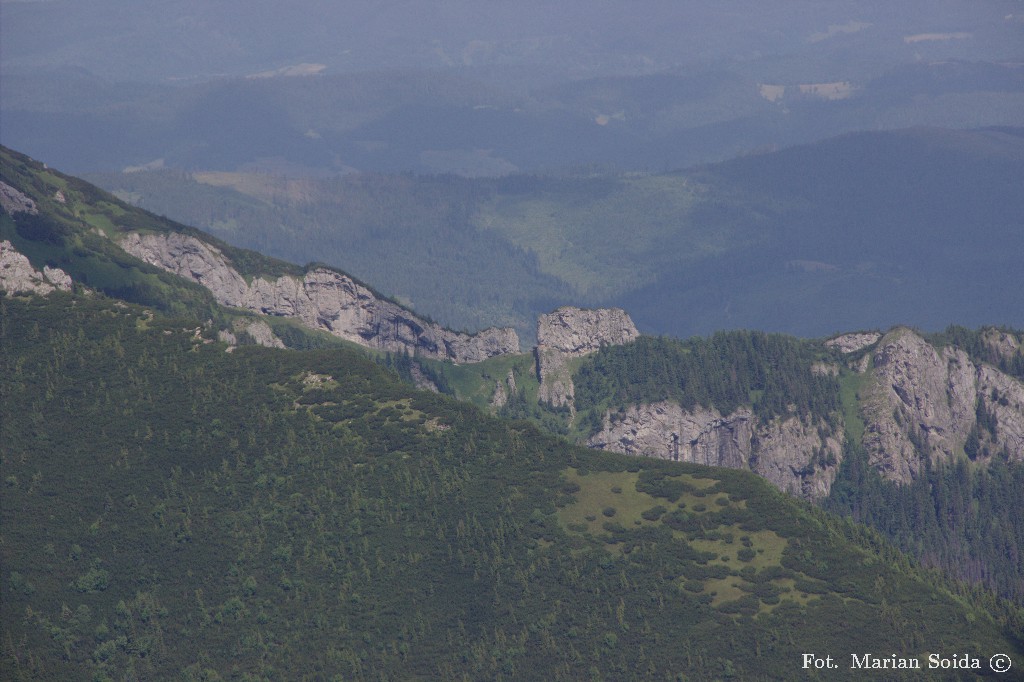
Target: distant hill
point(919, 226)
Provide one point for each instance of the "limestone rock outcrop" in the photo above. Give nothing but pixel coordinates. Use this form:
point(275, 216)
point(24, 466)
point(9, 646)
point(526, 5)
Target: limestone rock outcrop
point(421, 380)
point(570, 332)
point(257, 330)
point(924, 402)
point(17, 275)
point(321, 299)
point(796, 457)
point(851, 343)
point(13, 201)
point(1002, 344)
point(579, 331)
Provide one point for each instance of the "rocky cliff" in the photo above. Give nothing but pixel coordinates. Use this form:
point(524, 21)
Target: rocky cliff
point(923, 401)
point(17, 275)
point(570, 333)
point(916, 399)
point(797, 457)
point(258, 331)
point(321, 299)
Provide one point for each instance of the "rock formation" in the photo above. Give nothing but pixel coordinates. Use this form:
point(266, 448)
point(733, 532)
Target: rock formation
point(796, 457)
point(13, 201)
point(923, 401)
point(17, 275)
point(257, 330)
point(570, 333)
point(321, 299)
point(503, 391)
point(851, 343)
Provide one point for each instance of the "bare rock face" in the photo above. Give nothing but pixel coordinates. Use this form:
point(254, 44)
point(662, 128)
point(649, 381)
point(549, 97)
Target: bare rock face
point(322, 299)
point(1002, 397)
point(421, 380)
point(573, 332)
point(578, 331)
point(924, 402)
point(851, 343)
point(1002, 344)
point(556, 385)
point(503, 391)
point(14, 201)
point(797, 458)
point(17, 275)
point(259, 331)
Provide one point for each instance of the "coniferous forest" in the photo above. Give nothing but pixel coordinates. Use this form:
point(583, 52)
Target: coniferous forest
point(171, 510)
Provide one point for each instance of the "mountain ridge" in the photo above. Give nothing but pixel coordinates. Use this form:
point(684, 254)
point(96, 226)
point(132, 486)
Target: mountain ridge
point(324, 298)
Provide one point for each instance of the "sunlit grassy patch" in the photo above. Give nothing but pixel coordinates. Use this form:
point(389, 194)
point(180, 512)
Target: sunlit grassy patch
point(597, 497)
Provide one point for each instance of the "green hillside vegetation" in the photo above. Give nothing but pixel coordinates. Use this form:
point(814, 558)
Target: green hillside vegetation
point(967, 520)
point(769, 372)
point(173, 511)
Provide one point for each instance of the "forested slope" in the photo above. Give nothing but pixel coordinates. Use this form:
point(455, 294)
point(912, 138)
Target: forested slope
point(173, 510)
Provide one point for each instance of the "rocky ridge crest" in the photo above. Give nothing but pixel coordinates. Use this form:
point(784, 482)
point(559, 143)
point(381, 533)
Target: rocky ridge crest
point(321, 299)
point(571, 332)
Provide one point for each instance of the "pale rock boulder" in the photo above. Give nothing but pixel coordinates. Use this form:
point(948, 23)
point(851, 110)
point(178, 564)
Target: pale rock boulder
point(258, 330)
point(851, 343)
point(17, 276)
point(13, 201)
point(503, 391)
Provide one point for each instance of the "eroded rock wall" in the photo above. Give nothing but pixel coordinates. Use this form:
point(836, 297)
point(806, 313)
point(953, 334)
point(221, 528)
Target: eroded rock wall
point(321, 299)
point(925, 401)
point(796, 457)
point(570, 332)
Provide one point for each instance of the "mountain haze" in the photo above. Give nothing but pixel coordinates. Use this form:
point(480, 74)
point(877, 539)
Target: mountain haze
point(918, 226)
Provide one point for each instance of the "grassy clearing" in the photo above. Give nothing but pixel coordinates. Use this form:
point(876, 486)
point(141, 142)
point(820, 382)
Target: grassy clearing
point(728, 559)
point(597, 494)
point(591, 236)
point(476, 382)
point(850, 385)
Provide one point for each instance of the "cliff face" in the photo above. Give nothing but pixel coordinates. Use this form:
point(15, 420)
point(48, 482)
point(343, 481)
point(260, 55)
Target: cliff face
point(322, 299)
point(17, 275)
point(578, 331)
point(573, 332)
point(923, 401)
point(798, 458)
